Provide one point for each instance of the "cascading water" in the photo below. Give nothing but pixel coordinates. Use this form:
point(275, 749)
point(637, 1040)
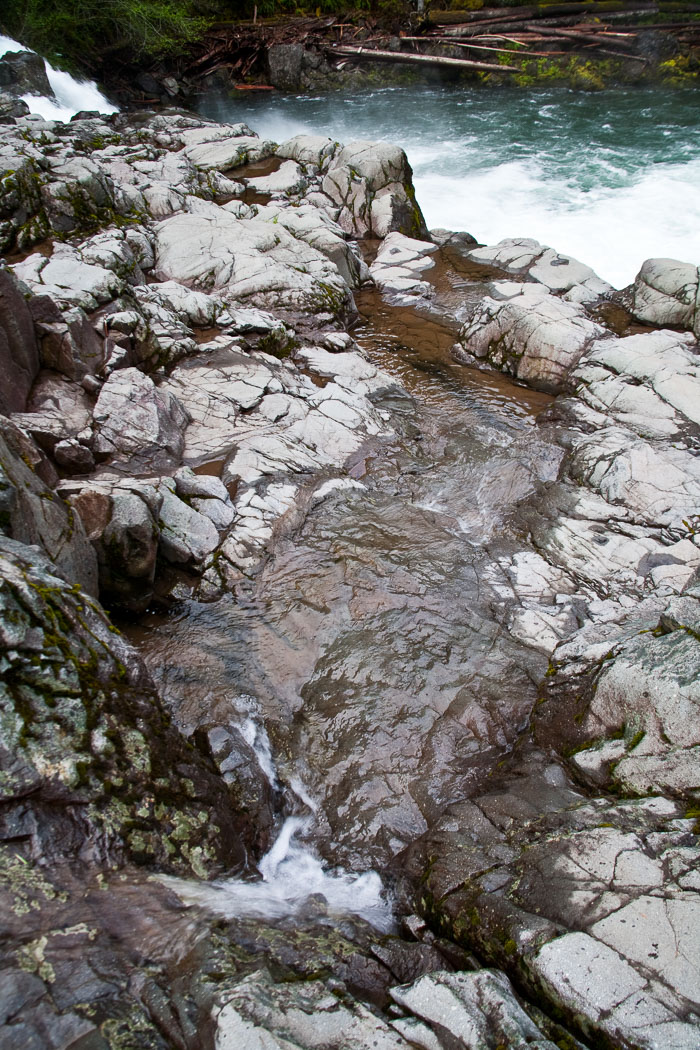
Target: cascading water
point(611, 178)
point(294, 882)
point(71, 95)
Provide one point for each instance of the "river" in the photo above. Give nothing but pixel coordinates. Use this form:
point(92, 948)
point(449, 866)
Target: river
point(610, 177)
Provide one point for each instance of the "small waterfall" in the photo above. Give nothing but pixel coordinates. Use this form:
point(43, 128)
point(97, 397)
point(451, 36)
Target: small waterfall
point(71, 95)
point(294, 881)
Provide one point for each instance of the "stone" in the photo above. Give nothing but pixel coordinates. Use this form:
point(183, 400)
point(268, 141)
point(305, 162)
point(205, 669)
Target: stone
point(315, 151)
point(531, 334)
point(31, 512)
point(559, 273)
point(229, 152)
point(68, 280)
point(261, 1015)
point(319, 231)
point(74, 457)
point(285, 63)
point(399, 263)
point(116, 780)
point(68, 341)
point(575, 896)
point(667, 292)
point(203, 486)
point(24, 73)
point(288, 180)
point(127, 551)
point(186, 535)
point(11, 107)
point(19, 354)
point(138, 427)
point(372, 183)
point(478, 1009)
point(252, 261)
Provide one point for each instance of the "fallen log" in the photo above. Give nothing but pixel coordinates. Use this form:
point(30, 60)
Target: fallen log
point(427, 60)
point(473, 47)
point(490, 14)
point(575, 34)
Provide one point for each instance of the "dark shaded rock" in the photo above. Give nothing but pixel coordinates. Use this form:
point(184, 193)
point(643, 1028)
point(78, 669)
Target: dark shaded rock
point(11, 107)
point(91, 766)
point(24, 73)
point(68, 342)
point(19, 355)
point(251, 792)
point(285, 64)
point(74, 457)
point(32, 512)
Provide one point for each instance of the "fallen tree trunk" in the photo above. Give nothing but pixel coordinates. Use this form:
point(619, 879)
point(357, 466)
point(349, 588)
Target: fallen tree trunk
point(494, 14)
point(426, 60)
point(475, 47)
point(602, 37)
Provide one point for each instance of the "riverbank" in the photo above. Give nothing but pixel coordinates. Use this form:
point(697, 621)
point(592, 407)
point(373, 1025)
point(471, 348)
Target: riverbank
point(583, 47)
point(336, 54)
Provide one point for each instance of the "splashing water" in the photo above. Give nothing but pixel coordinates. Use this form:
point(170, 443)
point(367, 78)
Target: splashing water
point(71, 95)
point(611, 178)
point(294, 884)
point(294, 881)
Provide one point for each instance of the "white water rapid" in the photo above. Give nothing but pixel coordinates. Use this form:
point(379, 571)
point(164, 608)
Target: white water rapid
point(294, 881)
point(71, 95)
point(611, 178)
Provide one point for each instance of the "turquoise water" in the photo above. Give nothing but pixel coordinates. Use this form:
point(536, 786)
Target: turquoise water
point(610, 177)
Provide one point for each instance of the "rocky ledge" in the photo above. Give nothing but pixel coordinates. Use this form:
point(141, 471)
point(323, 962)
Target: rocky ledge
point(181, 389)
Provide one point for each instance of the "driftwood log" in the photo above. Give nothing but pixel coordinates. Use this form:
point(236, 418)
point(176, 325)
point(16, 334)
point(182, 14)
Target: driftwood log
point(372, 55)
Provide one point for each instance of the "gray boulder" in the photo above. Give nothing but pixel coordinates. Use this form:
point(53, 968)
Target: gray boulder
point(372, 183)
point(530, 333)
point(560, 273)
point(254, 262)
point(137, 427)
point(667, 292)
point(315, 151)
point(630, 720)
point(473, 1009)
point(186, 535)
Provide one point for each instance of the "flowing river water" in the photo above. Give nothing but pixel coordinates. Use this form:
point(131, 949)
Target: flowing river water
point(609, 177)
point(370, 653)
point(370, 645)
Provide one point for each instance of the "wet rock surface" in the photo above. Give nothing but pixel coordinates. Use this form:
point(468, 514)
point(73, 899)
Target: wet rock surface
point(392, 612)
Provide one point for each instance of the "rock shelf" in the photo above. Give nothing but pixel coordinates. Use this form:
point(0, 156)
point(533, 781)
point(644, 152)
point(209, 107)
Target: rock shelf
point(186, 412)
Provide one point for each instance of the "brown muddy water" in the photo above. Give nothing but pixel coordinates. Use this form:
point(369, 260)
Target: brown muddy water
point(370, 645)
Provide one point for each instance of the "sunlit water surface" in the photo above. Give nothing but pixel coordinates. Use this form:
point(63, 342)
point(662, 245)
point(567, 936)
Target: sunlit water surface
point(611, 177)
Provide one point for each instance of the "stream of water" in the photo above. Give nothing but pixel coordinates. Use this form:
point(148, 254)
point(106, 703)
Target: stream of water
point(372, 639)
point(610, 177)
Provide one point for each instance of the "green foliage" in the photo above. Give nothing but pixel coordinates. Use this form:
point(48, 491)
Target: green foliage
point(74, 33)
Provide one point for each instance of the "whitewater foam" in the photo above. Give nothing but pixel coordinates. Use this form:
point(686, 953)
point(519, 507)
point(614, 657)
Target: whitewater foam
point(71, 96)
point(294, 881)
point(611, 180)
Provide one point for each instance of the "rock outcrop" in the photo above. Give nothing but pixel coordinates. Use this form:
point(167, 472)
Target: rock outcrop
point(487, 685)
